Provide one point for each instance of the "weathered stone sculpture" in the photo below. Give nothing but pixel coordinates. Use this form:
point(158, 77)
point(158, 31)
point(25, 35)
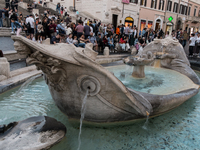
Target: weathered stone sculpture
point(139, 62)
point(70, 72)
point(34, 133)
point(172, 56)
point(4, 68)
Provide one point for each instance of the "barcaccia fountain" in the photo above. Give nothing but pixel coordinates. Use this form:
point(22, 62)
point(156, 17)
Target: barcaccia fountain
point(70, 72)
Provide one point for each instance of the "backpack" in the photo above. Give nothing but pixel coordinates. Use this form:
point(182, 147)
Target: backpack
point(28, 26)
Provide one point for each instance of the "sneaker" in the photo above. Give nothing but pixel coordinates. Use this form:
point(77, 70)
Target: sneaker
point(12, 32)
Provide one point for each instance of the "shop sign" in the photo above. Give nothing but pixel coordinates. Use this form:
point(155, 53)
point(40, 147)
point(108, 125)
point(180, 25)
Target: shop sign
point(126, 1)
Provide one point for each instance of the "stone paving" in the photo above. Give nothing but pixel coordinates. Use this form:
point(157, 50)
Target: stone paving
point(6, 44)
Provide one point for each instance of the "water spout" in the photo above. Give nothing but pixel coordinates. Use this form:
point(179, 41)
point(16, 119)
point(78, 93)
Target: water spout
point(26, 84)
point(157, 63)
point(146, 122)
point(83, 108)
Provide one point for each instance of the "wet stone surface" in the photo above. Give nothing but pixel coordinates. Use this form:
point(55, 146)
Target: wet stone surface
point(6, 44)
point(17, 65)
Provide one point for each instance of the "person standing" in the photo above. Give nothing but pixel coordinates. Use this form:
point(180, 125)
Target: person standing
point(13, 18)
point(185, 38)
point(79, 30)
point(1, 20)
point(7, 4)
point(30, 25)
point(12, 3)
point(58, 8)
point(197, 44)
point(127, 31)
point(7, 17)
point(191, 44)
point(86, 31)
point(61, 9)
point(16, 4)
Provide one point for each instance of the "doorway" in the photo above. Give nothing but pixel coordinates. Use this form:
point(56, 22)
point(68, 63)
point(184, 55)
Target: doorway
point(129, 21)
point(114, 21)
point(179, 24)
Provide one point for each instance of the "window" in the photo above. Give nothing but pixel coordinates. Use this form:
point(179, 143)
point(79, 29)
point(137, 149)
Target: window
point(181, 7)
point(161, 5)
point(186, 9)
point(134, 1)
point(189, 11)
point(195, 10)
point(175, 7)
point(142, 24)
point(143, 2)
point(150, 24)
point(169, 6)
point(153, 4)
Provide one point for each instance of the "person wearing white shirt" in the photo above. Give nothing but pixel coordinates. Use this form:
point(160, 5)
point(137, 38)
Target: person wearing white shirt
point(69, 30)
point(85, 22)
point(191, 44)
point(91, 28)
point(31, 21)
point(198, 44)
point(69, 39)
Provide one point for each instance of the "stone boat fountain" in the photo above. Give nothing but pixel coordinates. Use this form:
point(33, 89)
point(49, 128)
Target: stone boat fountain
point(70, 72)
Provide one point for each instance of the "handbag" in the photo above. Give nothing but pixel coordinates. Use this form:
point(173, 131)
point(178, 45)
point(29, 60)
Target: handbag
point(197, 43)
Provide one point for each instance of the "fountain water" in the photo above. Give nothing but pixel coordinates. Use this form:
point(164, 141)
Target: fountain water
point(146, 122)
point(156, 63)
point(83, 108)
point(26, 84)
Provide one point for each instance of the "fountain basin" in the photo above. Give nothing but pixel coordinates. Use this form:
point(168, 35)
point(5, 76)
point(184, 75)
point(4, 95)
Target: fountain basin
point(69, 72)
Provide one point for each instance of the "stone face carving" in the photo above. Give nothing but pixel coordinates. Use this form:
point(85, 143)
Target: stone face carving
point(71, 71)
point(52, 68)
point(21, 48)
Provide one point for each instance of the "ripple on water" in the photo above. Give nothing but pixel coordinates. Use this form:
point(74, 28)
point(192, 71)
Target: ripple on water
point(178, 129)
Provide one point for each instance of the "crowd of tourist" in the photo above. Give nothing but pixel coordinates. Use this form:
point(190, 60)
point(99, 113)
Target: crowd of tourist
point(60, 28)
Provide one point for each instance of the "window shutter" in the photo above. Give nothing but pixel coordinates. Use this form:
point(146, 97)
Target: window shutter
point(163, 5)
point(151, 3)
point(145, 2)
point(155, 4)
point(170, 6)
point(159, 5)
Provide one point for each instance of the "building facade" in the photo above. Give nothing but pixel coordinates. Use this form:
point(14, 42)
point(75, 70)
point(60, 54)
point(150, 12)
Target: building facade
point(170, 15)
point(116, 12)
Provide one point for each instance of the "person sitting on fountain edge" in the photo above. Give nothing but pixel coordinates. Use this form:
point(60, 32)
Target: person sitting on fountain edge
point(57, 38)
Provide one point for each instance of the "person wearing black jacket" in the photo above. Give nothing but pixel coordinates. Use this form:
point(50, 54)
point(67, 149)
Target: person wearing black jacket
point(16, 4)
point(7, 17)
point(1, 16)
point(7, 4)
point(13, 18)
point(12, 3)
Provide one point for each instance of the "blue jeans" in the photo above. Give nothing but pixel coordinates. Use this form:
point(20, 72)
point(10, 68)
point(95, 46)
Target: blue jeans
point(13, 26)
point(81, 45)
point(1, 22)
point(17, 25)
point(111, 46)
point(184, 43)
